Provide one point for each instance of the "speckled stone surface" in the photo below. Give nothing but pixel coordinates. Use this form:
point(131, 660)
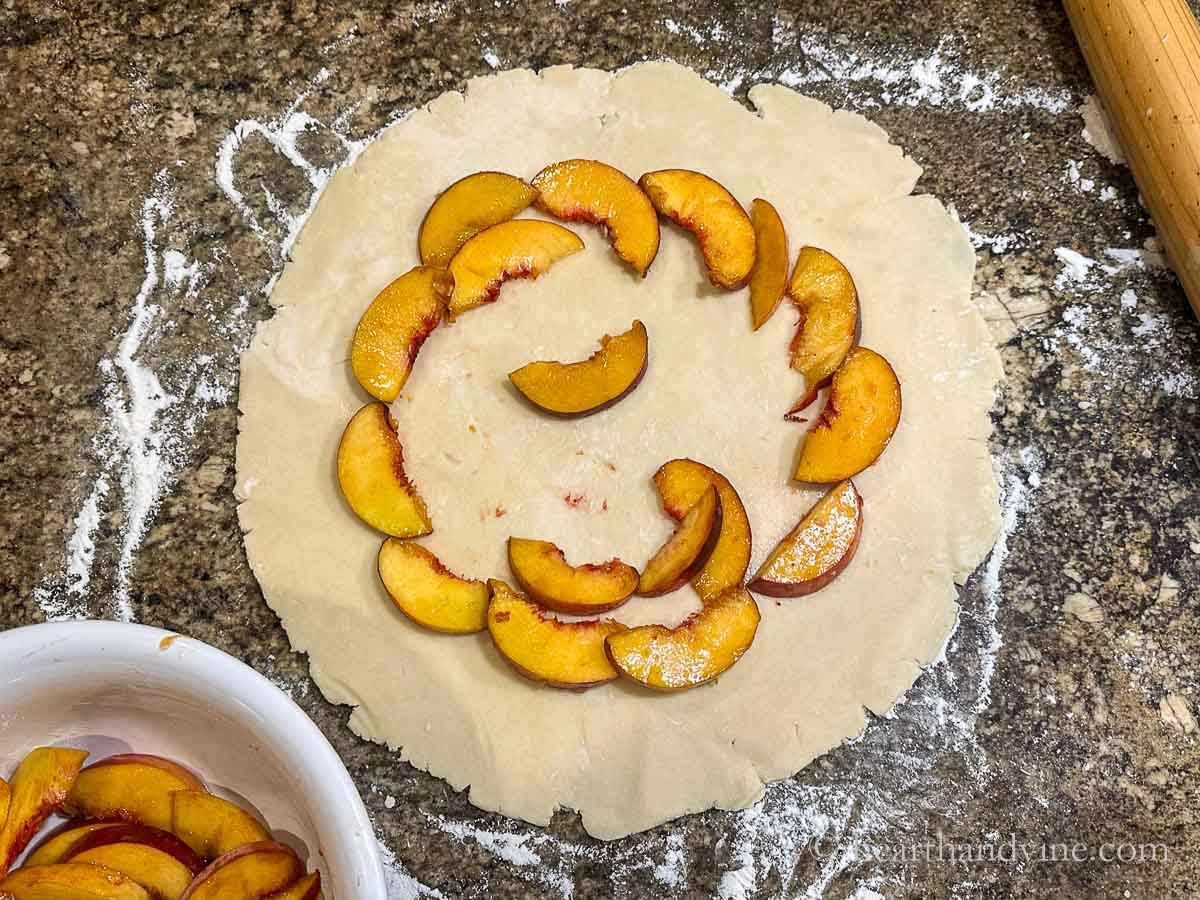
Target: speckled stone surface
point(1088, 732)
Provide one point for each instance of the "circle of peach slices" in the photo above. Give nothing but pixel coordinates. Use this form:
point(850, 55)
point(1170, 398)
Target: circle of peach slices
point(139, 827)
point(471, 243)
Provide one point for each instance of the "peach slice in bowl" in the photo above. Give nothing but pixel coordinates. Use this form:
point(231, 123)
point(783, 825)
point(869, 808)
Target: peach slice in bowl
point(110, 689)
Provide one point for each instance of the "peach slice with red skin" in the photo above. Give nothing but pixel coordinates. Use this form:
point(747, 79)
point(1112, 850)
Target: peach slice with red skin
point(584, 190)
point(769, 277)
point(370, 468)
point(559, 654)
point(582, 388)
point(128, 834)
point(858, 420)
point(680, 483)
point(429, 593)
point(41, 783)
point(250, 872)
point(817, 550)
point(693, 652)
point(212, 826)
point(70, 881)
point(544, 574)
point(687, 549)
point(393, 328)
point(54, 847)
point(705, 208)
point(131, 787)
point(466, 208)
point(307, 888)
point(824, 293)
point(522, 248)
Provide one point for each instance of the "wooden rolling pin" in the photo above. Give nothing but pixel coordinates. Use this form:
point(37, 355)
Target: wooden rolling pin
point(1145, 58)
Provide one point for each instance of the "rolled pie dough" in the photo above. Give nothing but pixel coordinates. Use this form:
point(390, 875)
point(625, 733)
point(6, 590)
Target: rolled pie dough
point(626, 758)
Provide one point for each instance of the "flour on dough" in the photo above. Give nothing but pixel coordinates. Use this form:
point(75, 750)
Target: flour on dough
point(488, 466)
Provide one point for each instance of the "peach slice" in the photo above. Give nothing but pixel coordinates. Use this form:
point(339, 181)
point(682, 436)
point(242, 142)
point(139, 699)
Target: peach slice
point(695, 651)
point(39, 786)
point(687, 549)
point(680, 483)
point(466, 208)
point(769, 277)
point(523, 248)
point(395, 325)
point(251, 872)
point(5, 798)
point(55, 846)
point(543, 573)
point(307, 888)
point(165, 877)
point(429, 593)
point(817, 550)
point(70, 881)
point(126, 834)
point(212, 826)
point(578, 389)
point(824, 293)
point(560, 654)
point(584, 190)
point(859, 418)
point(131, 787)
point(370, 467)
point(702, 206)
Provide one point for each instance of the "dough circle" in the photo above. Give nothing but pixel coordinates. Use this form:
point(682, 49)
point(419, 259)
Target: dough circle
point(624, 757)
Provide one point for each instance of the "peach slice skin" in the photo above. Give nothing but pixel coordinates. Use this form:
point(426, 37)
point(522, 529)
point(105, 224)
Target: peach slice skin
point(769, 277)
point(824, 293)
point(817, 550)
point(126, 835)
point(250, 872)
point(165, 877)
point(393, 328)
point(560, 654)
point(55, 846)
point(544, 574)
point(41, 783)
point(585, 190)
point(131, 788)
point(705, 208)
point(212, 826)
point(695, 651)
point(370, 467)
point(70, 881)
point(429, 593)
point(596, 383)
point(858, 421)
point(680, 484)
point(522, 248)
point(466, 208)
point(307, 888)
point(686, 550)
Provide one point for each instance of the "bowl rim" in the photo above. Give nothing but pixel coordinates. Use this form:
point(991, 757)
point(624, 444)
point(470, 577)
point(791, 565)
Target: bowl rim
point(147, 645)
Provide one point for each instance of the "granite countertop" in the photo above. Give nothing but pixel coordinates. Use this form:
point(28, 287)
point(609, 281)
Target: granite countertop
point(1065, 709)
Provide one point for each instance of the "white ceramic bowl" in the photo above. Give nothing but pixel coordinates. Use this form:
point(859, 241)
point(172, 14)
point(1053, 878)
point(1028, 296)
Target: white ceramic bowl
point(114, 688)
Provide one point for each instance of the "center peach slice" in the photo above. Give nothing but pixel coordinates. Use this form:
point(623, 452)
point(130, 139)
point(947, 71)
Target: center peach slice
point(544, 574)
point(523, 248)
point(687, 550)
point(680, 483)
point(692, 653)
point(589, 191)
point(825, 296)
point(703, 206)
point(560, 654)
point(577, 389)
